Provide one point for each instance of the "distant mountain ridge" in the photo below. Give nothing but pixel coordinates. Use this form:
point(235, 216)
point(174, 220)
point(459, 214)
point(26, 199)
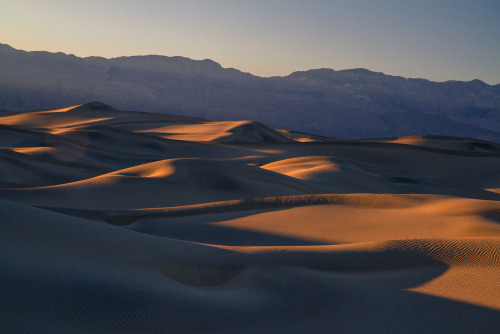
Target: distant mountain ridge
point(355, 103)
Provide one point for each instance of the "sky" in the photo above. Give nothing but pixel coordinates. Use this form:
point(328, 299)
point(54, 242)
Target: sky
point(438, 40)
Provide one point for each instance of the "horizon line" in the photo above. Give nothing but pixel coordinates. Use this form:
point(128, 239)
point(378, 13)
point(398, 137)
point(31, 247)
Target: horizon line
point(255, 75)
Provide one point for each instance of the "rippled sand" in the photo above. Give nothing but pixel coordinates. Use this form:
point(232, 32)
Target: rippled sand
point(125, 222)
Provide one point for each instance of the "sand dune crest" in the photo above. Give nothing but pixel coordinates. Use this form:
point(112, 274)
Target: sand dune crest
point(130, 222)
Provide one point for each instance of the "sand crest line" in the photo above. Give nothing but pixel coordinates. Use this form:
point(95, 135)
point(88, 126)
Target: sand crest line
point(382, 201)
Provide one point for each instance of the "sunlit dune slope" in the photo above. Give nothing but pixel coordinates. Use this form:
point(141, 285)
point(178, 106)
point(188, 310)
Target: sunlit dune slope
point(163, 183)
point(130, 222)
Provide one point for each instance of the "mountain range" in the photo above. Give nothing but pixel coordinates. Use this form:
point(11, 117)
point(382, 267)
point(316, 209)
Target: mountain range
point(349, 104)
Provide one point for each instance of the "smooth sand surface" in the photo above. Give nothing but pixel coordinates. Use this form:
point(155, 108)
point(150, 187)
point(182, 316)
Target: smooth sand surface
point(128, 222)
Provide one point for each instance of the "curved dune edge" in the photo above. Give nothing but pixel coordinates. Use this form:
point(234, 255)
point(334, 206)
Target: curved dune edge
point(381, 201)
point(129, 222)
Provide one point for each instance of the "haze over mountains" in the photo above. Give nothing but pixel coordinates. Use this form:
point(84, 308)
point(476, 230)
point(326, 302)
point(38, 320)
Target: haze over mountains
point(346, 104)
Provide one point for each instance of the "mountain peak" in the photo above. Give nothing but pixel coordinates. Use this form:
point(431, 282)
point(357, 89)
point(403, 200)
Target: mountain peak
point(478, 83)
point(311, 74)
point(327, 72)
point(361, 71)
point(7, 48)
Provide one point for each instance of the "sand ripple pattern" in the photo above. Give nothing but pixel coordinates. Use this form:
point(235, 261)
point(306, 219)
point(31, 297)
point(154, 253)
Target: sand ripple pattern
point(129, 222)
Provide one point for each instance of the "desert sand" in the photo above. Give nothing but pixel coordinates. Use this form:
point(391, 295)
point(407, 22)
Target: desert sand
point(130, 222)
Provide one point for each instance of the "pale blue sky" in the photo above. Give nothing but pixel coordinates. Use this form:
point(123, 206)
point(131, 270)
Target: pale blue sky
point(438, 40)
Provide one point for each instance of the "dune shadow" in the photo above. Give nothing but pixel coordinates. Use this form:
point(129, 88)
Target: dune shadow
point(202, 229)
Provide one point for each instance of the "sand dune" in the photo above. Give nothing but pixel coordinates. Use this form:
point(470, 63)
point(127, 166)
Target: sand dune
point(241, 131)
point(445, 143)
point(163, 183)
point(127, 222)
point(23, 171)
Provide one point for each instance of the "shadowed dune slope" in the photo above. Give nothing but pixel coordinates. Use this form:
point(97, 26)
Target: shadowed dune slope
point(163, 183)
point(129, 222)
point(445, 143)
point(23, 171)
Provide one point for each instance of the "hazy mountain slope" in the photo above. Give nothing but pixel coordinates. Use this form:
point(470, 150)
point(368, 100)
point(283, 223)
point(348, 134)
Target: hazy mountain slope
point(350, 103)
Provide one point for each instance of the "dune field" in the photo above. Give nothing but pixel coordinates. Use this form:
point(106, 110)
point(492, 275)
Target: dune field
point(130, 222)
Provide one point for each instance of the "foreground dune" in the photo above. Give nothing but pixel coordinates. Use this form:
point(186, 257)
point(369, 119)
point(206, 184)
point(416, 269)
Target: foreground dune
point(128, 222)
